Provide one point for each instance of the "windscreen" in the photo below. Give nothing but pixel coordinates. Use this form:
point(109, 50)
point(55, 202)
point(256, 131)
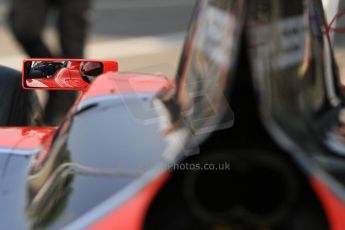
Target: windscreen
point(208, 59)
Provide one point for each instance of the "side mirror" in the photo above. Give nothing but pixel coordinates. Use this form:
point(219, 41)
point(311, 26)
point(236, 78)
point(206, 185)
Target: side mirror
point(63, 74)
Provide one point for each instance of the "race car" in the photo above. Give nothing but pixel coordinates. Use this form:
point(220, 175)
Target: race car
point(249, 135)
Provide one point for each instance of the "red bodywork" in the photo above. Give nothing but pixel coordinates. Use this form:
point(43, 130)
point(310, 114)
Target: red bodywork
point(25, 138)
point(334, 207)
point(130, 215)
point(126, 82)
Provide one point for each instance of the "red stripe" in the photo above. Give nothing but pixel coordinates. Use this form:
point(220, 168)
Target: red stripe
point(333, 206)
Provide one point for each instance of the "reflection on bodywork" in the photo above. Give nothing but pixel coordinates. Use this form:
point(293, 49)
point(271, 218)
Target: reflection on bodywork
point(335, 28)
point(63, 183)
point(207, 60)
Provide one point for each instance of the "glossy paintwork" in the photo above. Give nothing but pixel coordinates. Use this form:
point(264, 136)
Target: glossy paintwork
point(196, 68)
point(333, 205)
point(13, 192)
point(300, 94)
point(110, 162)
point(25, 138)
point(131, 214)
point(127, 82)
point(68, 169)
point(125, 134)
point(63, 171)
point(199, 102)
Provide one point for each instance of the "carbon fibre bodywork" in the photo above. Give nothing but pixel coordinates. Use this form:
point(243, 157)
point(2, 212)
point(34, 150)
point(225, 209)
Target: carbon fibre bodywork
point(62, 173)
point(257, 87)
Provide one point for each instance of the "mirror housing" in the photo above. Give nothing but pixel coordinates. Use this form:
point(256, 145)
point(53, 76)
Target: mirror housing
point(63, 74)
